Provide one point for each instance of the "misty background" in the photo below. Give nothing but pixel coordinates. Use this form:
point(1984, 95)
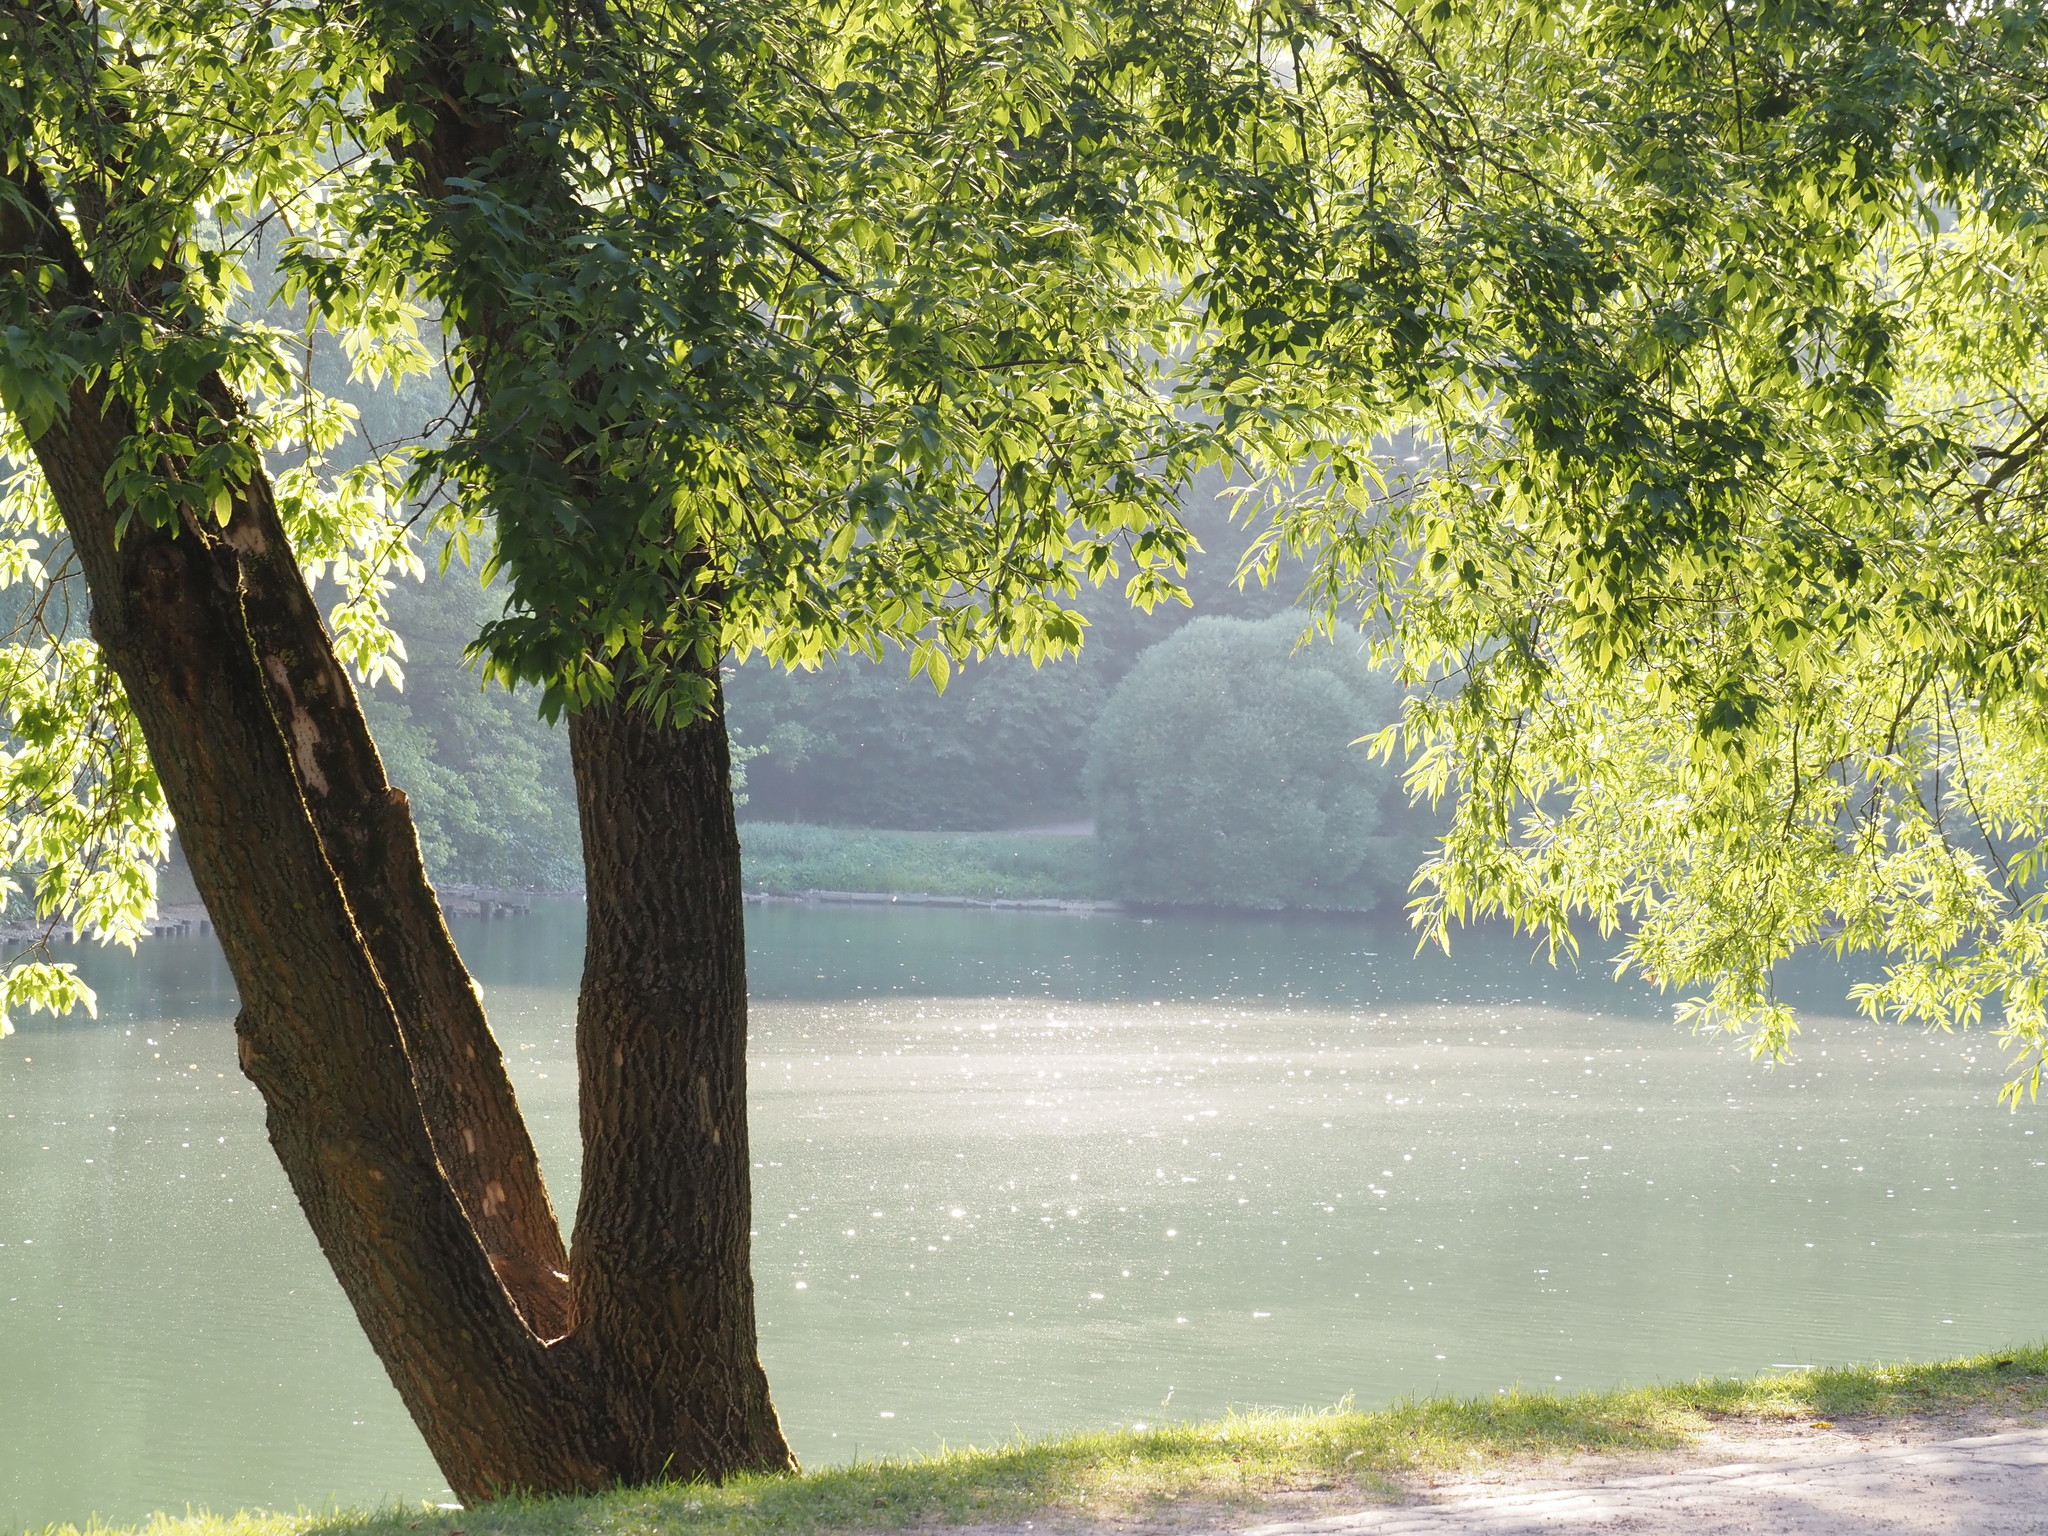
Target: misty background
point(1192, 756)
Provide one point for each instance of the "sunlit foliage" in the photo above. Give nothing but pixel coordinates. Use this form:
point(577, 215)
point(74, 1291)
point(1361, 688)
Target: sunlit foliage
point(1666, 378)
point(832, 329)
point(1715, 525)
point(158, 135)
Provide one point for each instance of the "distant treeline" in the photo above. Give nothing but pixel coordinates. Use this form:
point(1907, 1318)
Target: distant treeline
point(1214, 756)
point(863, 744)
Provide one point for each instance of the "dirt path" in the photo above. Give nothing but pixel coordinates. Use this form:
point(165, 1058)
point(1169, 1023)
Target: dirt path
point(1912, 1478)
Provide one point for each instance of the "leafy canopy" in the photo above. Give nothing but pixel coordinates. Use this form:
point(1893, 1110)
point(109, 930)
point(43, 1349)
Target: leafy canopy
point(785, 329)
point(1663, 378)
point(773, 329)
point(1715, 534)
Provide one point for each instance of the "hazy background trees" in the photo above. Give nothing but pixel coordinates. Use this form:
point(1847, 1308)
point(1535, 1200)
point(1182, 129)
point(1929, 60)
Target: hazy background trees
point(863, 744)
point(488, 779)
point(1216, 762)
point(1225, 771)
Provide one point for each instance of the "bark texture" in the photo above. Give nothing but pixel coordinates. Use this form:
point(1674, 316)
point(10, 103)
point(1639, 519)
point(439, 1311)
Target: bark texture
point(663, 1272)
point(293, 833)
point(318, 1032)
point(387, 1100)
point(367, 835)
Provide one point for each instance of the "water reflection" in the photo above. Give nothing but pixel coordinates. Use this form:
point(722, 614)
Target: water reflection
point(1023, 1171)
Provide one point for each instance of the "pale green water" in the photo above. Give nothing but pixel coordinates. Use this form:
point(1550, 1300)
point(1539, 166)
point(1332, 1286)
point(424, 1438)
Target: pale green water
point(1021, 1171)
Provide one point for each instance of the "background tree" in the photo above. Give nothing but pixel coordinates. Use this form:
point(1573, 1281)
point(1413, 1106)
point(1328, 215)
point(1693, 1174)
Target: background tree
point(488, 781)
point(1225, 772)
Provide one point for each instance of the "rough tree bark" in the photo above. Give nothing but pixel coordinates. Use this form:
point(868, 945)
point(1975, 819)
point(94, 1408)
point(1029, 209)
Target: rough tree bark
point(663, 1256)
point(387, 1099)
point(366, 832)
point(209, 651)
point(663, 1267)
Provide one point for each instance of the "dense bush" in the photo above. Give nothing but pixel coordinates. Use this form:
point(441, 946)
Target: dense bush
point(1222, 773)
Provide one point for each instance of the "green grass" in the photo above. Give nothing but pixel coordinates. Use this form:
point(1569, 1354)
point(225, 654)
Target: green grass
point(1232, 1461)
point(789, 858)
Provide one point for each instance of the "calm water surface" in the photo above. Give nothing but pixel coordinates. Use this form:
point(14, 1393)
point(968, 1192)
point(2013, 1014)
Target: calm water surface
point(1029, 1172)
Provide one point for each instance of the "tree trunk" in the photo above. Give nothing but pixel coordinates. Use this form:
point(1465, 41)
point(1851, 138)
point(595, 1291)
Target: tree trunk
point(661, 1277)
point(318, 1032)
point(366, 832)
point(387, 1100)
point(662, 1274)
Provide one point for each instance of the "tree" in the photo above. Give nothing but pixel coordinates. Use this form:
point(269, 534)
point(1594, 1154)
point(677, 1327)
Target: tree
point(860, 744)
point(789, 332)
point(893, 385)
point(1224, 772)
point(1721, 568)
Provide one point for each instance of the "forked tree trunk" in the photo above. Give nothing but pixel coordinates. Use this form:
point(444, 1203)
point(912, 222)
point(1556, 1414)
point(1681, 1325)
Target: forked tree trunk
point(662, 1280)
point(387, 1100)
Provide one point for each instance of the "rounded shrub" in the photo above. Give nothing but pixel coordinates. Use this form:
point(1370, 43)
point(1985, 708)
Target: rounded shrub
point(1223, 772)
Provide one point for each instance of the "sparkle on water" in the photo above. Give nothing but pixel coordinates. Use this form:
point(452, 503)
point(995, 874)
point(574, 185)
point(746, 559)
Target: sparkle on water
point(1031, 1172)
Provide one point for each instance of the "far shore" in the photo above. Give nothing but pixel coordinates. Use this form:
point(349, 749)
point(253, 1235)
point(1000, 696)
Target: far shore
point(1051, 868)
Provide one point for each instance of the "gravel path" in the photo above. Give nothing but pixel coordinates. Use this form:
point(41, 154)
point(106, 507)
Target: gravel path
point(1985, 1485)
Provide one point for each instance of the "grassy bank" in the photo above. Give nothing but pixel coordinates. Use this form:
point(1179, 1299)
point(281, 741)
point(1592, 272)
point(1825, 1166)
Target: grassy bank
point(1231, 1461)
point(789, 858)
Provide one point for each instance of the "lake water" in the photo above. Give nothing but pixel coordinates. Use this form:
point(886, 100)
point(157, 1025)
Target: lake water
point(1025, 1172)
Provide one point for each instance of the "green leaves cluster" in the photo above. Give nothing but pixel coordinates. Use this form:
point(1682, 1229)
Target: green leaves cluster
point(155, 136)
point(1717, 539)
point(769, 329)
point(787, 330)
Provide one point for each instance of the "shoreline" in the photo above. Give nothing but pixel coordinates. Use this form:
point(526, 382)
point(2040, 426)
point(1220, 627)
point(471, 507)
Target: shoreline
point(1083, 906)
point(184, 920)
point(189, 919)
point(1709, 1457)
